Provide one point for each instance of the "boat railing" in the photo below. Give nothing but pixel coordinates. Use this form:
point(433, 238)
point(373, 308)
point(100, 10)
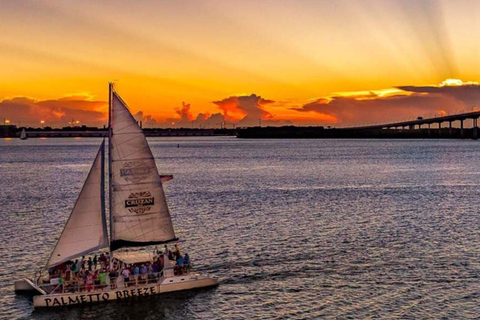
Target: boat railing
point(79, 284)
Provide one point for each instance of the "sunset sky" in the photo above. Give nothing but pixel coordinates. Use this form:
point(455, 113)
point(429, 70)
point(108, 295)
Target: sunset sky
point(192, 63)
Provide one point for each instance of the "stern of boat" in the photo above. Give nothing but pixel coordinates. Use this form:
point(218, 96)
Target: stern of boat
point(26, 286)
point(187, 282)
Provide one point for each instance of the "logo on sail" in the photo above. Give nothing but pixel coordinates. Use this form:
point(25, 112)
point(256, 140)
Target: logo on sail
point(139, 202)
point(135, 171)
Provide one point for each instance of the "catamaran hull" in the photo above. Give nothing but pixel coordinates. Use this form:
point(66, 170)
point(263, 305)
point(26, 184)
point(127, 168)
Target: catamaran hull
point(26, 286)
point(69, 299)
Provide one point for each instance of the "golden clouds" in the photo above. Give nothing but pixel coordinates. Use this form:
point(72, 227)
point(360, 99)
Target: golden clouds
point(404, 102)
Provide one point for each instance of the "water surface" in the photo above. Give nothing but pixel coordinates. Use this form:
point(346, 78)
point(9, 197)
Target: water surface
point(295, 229)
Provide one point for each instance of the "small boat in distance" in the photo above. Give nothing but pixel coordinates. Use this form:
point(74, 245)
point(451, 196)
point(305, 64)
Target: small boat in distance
point(138, 217)
point(23, 135)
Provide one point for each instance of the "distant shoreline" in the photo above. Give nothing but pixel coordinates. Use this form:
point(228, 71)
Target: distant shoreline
point(354, 133)
point(91, 132)
point(286, 132)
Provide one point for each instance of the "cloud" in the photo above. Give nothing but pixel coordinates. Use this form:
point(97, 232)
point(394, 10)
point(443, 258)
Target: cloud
point(245, 110)
point(242, 110)
point(184, 113)
point(25, 111)
point(403, 102)
point(339, 109)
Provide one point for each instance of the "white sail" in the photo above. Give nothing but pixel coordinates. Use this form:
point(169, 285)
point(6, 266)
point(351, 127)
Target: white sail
point(86, 228)
point(139, 209)
point(23, 135)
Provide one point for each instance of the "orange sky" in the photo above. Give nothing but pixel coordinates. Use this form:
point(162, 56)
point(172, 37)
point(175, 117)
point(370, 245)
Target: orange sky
point(201, 63)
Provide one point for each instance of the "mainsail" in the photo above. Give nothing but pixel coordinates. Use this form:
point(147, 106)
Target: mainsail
point(86, 228)
point(138, 208)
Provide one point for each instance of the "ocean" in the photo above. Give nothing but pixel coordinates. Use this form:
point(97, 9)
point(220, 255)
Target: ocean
point(294, 229)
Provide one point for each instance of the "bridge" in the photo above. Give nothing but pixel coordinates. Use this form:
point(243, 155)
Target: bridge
point(428, 122)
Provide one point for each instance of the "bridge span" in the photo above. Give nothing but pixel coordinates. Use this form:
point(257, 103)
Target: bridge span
point(428, 122)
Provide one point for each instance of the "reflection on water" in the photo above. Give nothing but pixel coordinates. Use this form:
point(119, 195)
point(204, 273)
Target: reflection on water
point(295, 229)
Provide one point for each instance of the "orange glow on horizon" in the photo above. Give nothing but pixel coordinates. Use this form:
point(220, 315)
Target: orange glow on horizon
point(353, 64)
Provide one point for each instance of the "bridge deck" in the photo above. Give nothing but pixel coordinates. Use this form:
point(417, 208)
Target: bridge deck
point(411, 123)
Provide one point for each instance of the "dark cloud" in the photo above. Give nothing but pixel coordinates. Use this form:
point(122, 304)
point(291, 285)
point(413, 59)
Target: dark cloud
point(469, 94)
point(410, 102)
point(24, 111)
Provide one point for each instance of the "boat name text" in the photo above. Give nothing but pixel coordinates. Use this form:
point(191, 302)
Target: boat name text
point(96, 297)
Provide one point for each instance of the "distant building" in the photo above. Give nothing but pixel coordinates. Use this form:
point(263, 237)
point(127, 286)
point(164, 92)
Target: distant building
point(7, 131)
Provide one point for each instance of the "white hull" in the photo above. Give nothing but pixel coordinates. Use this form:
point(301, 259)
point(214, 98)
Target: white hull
point(177, 283)
point(27, 286)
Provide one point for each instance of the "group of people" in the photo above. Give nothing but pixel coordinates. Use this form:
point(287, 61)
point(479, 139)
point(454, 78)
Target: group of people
point(99, 273)
point(81, 275)
point(182, 262)
point(138, 273)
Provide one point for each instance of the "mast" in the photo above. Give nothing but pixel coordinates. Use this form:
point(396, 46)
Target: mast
point(102, 185)
point(110, 193)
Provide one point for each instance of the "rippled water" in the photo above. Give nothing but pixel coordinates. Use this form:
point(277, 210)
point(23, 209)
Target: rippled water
point(295, 229)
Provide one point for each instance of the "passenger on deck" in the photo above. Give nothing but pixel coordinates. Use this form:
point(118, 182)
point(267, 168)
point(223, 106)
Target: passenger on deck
point(180, 264)
point(113, 276)
point(166, 259)
point(150, 273)
point(95, 261)
point(143, 273)
point(126, 276)
point(136, 272)
point(102, 278)
point(186, 261)
point(83, 275)
point(154, 267)
point(89, 281)
point(102, 260)
point(68, 274)
point(82, 263)
point(161, 263)
point(176, 251)
point(95, 277)
point(75, 267)
point(60, 284)
point(180, 261)
point(90, 263)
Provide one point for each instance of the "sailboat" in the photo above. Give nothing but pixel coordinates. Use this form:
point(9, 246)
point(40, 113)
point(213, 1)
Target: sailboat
point(23, 135)
point(138, 217)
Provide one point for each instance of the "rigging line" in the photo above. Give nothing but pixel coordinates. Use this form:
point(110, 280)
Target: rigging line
point(118, 187)
point(92, 197)
point(118, 130)
point(141, 218)
point(89, 225)
point(135, 136)
point(149, 158)
point(125, 155)
point(120, 143)
point(135, 220)
point(140, 215)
